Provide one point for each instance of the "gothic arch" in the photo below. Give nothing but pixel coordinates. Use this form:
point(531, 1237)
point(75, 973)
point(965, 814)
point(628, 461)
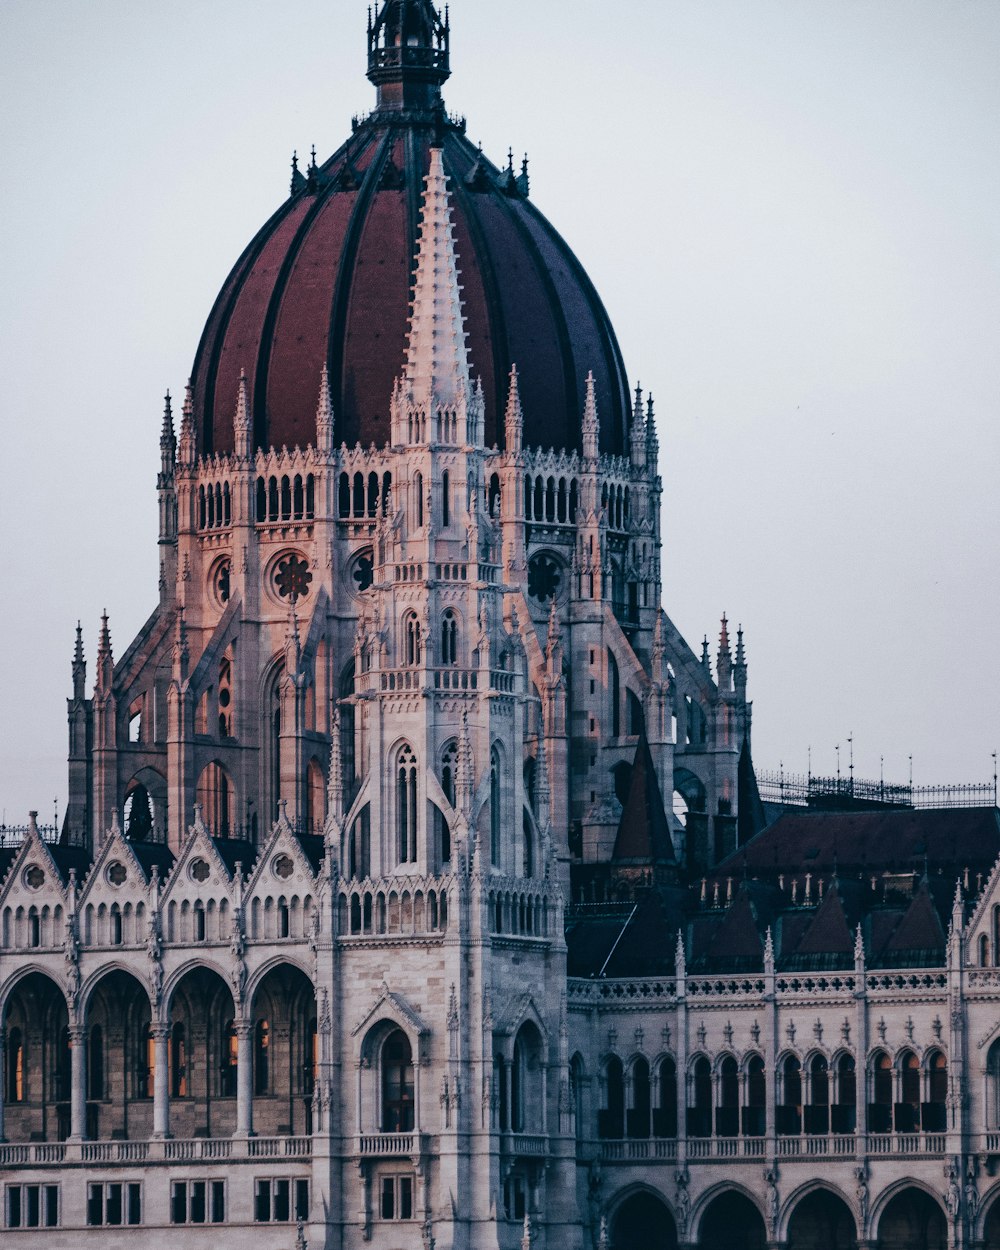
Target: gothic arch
point(97, 976)
point(178, 975)
point(642, 1193)
point(259, 974)
point(893, 1190)
point(26, 970)
point(813, 1186)
point(706, 1199)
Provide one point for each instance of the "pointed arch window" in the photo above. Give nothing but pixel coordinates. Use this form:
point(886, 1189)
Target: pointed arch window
point(611, 1118)
point(728, 1109)
point(449, 765)
point(665, 1115)
point(406, 806)
point(449, 638)
point(413, 642)
point(789, 1119)
point(397, 1084)
point(445, 500)
point(495, 799)
point(846, 1095)
point(755, 1112)
point(639, 1112)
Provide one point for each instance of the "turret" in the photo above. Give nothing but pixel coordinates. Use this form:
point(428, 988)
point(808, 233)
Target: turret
point(187, 450)
point(724, 659)
point(637, 438)
point(242, 445)
point(408, 61)
point(79, 667)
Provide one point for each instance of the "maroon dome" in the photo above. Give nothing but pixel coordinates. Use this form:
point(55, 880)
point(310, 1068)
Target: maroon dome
point(328, 280)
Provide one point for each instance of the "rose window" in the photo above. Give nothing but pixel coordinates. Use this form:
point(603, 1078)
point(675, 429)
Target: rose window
point(363, 570)
point(200, 870)
point(544, 578)
point(292, 578)
point(223, 578)
point(283, 867)
point(117, 874)
point(34, 878)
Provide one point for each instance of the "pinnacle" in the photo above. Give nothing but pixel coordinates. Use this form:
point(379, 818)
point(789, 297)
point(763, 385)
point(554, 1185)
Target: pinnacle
point(437, 361)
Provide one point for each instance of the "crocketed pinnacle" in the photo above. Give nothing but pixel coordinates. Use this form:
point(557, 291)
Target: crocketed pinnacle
point(591, 424)
point(324, 414)
point(436, 373)
point(513, 417)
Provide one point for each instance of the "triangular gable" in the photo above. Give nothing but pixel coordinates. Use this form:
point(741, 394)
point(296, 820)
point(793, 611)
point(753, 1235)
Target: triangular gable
point(979, 922)
point(643, 832)
point(282, 839)
point(828, 932)
point(389, 1003)
point(737, 936)
point(33, 848)
point(115, 848)
point(515, 1013)
point(920, 929)
point(199, 844)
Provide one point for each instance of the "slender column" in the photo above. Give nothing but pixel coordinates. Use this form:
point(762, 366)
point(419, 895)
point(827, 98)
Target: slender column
point(78, 1093)
point(3, 1052)
point(244, 1078)
point(161, 1080)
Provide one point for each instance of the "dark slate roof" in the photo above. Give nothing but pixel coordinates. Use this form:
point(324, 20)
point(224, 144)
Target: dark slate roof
point(327, 281)
point(646, 936)
point(233, 851)
point(828, 931)
point(154, 854)
point(891, 840)
point(643, 832)
point(314, 848)
point(67, 858)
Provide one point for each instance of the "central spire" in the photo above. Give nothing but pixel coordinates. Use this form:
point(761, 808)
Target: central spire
point(436, 373)
point(408, 46)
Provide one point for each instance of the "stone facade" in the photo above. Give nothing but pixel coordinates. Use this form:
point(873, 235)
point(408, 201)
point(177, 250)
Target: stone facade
point(407, 736)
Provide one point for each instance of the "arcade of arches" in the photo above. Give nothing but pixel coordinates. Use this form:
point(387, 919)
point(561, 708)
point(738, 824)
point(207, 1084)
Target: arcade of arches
point(122, 1075)
point(821, 1220)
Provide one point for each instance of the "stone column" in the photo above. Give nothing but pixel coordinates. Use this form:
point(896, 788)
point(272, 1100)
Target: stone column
point(78, 1094)
point(244, 1078)
point(161, 1080)
point(3, 1053)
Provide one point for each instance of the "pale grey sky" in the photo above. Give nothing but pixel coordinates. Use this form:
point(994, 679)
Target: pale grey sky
point(789, 209)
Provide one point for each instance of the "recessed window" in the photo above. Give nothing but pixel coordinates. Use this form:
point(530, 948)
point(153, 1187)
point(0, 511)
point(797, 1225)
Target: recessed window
point(279, 1200)
point(198, 1202)
point(114, 1203)
point(34, 877)
point(117, 873)
point(396, 1198)
point(283, 867)
point(31, 1206)
point(199, 870)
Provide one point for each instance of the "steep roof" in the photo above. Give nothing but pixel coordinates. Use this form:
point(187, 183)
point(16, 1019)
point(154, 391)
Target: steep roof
point(643, 832)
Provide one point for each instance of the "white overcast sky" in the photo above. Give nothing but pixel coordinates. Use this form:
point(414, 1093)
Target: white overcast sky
point(790, 210)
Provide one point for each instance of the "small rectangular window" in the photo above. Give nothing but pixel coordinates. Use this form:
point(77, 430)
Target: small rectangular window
point(95, 1205)
point(388, 1197)
point(33, 1212)
point(113, 1205)
point(134, 1204)
point(262, 1205)
point(198, 1189)
point(178, 1202)
point(282, 1205)
point(51, 1206)
point(396, 1198)
point(218, 1202)
point(302, 1200)
point(13, 1206)
point(279, 1201)
point(406, 1197)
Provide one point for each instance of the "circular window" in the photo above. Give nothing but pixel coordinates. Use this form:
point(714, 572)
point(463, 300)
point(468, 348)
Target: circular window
point(116, 873)
point(221, 581)
point(199, 870)
point(545, 577)
point(291, 577)
point(34, 877)
point(361, 570)
point(282, 867)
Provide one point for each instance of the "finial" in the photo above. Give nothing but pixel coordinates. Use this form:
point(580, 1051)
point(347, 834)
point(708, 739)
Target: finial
point(768, 949)
point(167, 432)
point(514, 415)
point(680, 957)
point(859, 945)
point(591, 423)
point(510, 159)
point(324, 413)
point(740, 652)
point(78, 649)
point(705, 661)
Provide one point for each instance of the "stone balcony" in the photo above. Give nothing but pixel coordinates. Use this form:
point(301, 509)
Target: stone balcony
point(806, 1146)
point(163, 1150)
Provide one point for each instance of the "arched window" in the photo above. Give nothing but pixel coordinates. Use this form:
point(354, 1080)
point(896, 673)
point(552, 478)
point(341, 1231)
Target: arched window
point(844, 1110)
point(178, 1062)
point(727, 1113)
point(818, 1112)
point(199, 921)
point(755, 1112)
point(908, 1107)
point(615, 695)
point(315, 798)
point(418, 492)
point(880, 1108)
point(34, 927)
point(397, 1084)
point(214, 793)
point(611, 1118)
point(412, 641)
point(262, 1057)
point(406, 806)
point(449, 763)
point(116, 925)
point(449, 638)
point(286, 499)
point(272, 499)
point(344, 497)
point(639, 1112)
point(282, 918)
point(934, 1112)
point(789, 1118)
point(700, 1111)
point(95, 1064)
point(665, 1115)
point(446, 501)
point(15, 1066)
point(495, 799)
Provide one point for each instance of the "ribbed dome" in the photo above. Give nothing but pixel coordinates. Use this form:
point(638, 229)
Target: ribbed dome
point(328, 280)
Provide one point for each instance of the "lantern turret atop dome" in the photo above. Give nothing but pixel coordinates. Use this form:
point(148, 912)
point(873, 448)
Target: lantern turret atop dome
point(408, 61)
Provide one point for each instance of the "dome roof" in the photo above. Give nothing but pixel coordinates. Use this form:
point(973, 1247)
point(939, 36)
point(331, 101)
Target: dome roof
point(327, 280)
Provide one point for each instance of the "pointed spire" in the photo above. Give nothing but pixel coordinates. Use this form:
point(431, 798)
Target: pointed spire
point(724, 662)
point(740, 652)
point(324, 413)
point(241, 421)
point(706, 662)
point(335, 778)
point(740, 666)
point(437, 360)
point(465, 780)
point(637, 435)
point(591, 424)
point(514, 415)
point(79, 667)
point(680, 957)
point(167, 431)
point(859, 946)
point(768, 950)
point(187, 443)
point(105, 659)
point(652, 442)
